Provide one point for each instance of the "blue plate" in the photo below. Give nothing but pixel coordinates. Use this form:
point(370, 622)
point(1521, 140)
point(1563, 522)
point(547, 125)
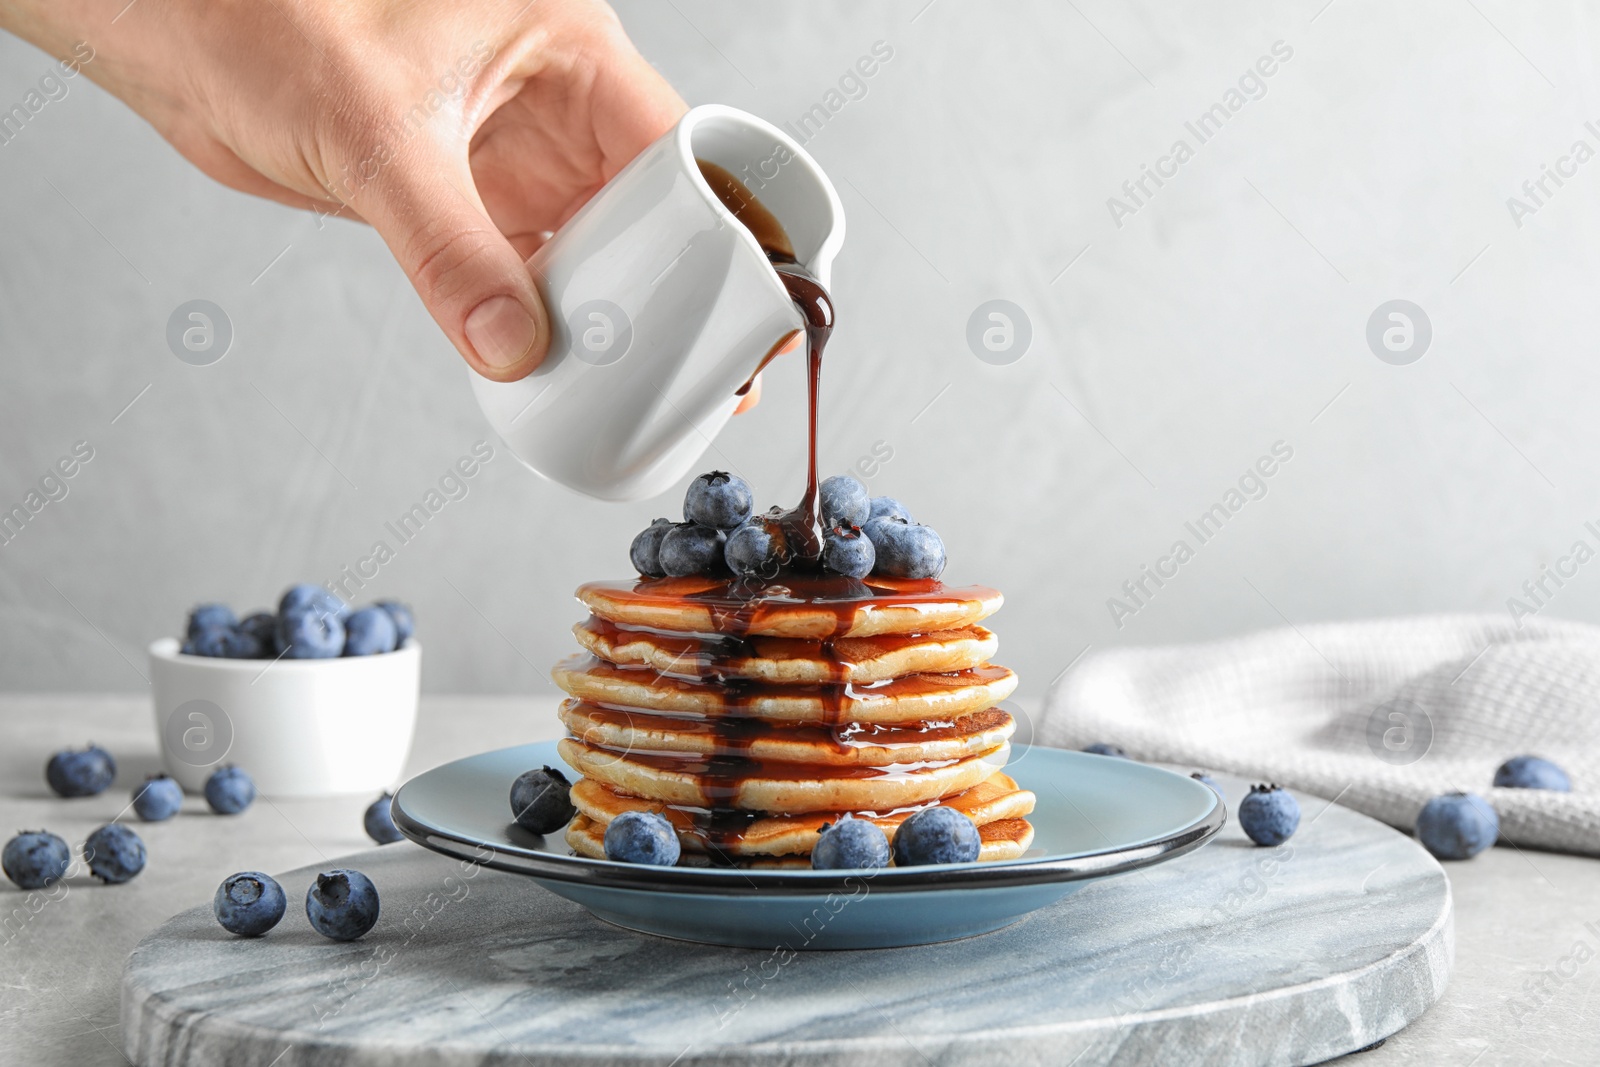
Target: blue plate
point(1096, 816)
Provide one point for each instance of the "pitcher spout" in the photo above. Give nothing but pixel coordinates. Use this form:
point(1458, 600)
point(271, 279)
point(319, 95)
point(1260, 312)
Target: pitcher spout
point(773, 167)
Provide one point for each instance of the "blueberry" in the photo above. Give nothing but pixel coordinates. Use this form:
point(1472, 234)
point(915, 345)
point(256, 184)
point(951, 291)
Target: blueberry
point(541, 800)
point(936, 835)
point(212, 642)
point(905, 550)
point(230, 643)
point(209, 617)
point(263, 626)
point(642, 837)
point(752, 551)
point(114, 853)
point(310, 595)
point(1269, 815)
point(645, 552)
point(1106, 748)
point(229, 790)
point(887, 505)
point(307, 633)
point(1531, 772)
point(850, 844)
point(718, 499)
point(80, 773)
point(845, 551)
point(378, 821)
point(342, 904)
point(245, 644)
point(1457, 826)
point(844, 501)
point(405, 623)
point(249, 903)
point(158, 799)
point(1205, 779)
point(690, 549)
point(369, 632)
point(35, 858)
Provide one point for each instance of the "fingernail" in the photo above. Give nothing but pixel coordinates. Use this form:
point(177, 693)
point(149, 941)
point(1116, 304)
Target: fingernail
point(501, 331)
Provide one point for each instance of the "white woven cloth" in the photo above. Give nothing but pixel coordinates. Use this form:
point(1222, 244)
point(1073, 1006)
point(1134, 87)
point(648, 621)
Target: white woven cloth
point(1379, 714)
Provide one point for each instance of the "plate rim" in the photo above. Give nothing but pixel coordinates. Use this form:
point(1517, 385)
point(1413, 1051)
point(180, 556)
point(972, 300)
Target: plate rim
point(609, 874)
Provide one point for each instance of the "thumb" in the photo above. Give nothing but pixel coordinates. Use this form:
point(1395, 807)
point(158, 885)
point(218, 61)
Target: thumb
point(472, 281)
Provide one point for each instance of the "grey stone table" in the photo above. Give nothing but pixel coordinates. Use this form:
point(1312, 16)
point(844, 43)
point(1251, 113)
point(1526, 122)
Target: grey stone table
point(1522, 991)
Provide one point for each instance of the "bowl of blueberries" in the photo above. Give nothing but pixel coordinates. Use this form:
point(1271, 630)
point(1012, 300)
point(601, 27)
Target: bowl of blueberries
point(315, 698)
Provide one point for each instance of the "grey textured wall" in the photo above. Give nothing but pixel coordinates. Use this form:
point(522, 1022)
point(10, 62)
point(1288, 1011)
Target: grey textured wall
point(1175, 340)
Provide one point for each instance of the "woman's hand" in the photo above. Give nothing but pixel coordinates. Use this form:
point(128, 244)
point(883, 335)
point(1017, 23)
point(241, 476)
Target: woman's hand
point(463, 131)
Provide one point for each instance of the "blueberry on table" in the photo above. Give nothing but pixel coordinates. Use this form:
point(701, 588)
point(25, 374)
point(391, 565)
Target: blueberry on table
point(342, 904)
point(1206, 779)
point(1269, 814)
point(645, 552)
point(1457, 826)
point(718, 499)
point(691, 549)
point(887, 505)
point(405, 623)
point(369, 632)
point(752, 551)
point(307, 633)
point(229, 790)
point(905, 550)
point(378, 821)
point(936, 835)
point(114, 854)
point(850, 844)
point(1106, 748)
point(249, 903)
point(315, 597)
point(80, 772)
point(209, 617)
point(541, 800)
point(844, 501)
point(1532, 772)
point(642, 837)
point(35, 858)
point(845, 551)
point(157, 799)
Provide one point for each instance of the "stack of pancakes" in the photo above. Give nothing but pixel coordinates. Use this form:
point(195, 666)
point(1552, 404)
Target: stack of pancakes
point(750, 717)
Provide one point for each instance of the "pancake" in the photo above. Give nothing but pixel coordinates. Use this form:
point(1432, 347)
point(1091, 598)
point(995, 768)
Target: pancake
point(845, 746)
point(788, 660)
point(995, 799)
point(913, 698)
point(815, 608)
point(784, 788)
point(1004, 839)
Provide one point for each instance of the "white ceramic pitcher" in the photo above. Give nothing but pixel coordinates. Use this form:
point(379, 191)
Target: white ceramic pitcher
point(662, 305)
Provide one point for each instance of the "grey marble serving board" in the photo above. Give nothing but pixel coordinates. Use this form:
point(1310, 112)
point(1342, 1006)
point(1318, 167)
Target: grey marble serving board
point(1231, 955)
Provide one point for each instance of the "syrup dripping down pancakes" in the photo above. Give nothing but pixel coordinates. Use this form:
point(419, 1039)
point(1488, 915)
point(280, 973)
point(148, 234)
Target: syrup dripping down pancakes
point(749, 714)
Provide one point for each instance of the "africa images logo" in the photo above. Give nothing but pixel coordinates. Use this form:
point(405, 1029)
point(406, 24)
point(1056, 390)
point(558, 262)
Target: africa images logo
point(197, 733)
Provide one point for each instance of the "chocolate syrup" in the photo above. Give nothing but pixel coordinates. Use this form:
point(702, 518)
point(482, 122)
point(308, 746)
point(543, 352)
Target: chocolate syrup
point(798, 531)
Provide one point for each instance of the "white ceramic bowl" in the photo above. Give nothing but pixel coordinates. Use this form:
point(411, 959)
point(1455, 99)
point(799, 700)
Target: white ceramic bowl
point(300, 728)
